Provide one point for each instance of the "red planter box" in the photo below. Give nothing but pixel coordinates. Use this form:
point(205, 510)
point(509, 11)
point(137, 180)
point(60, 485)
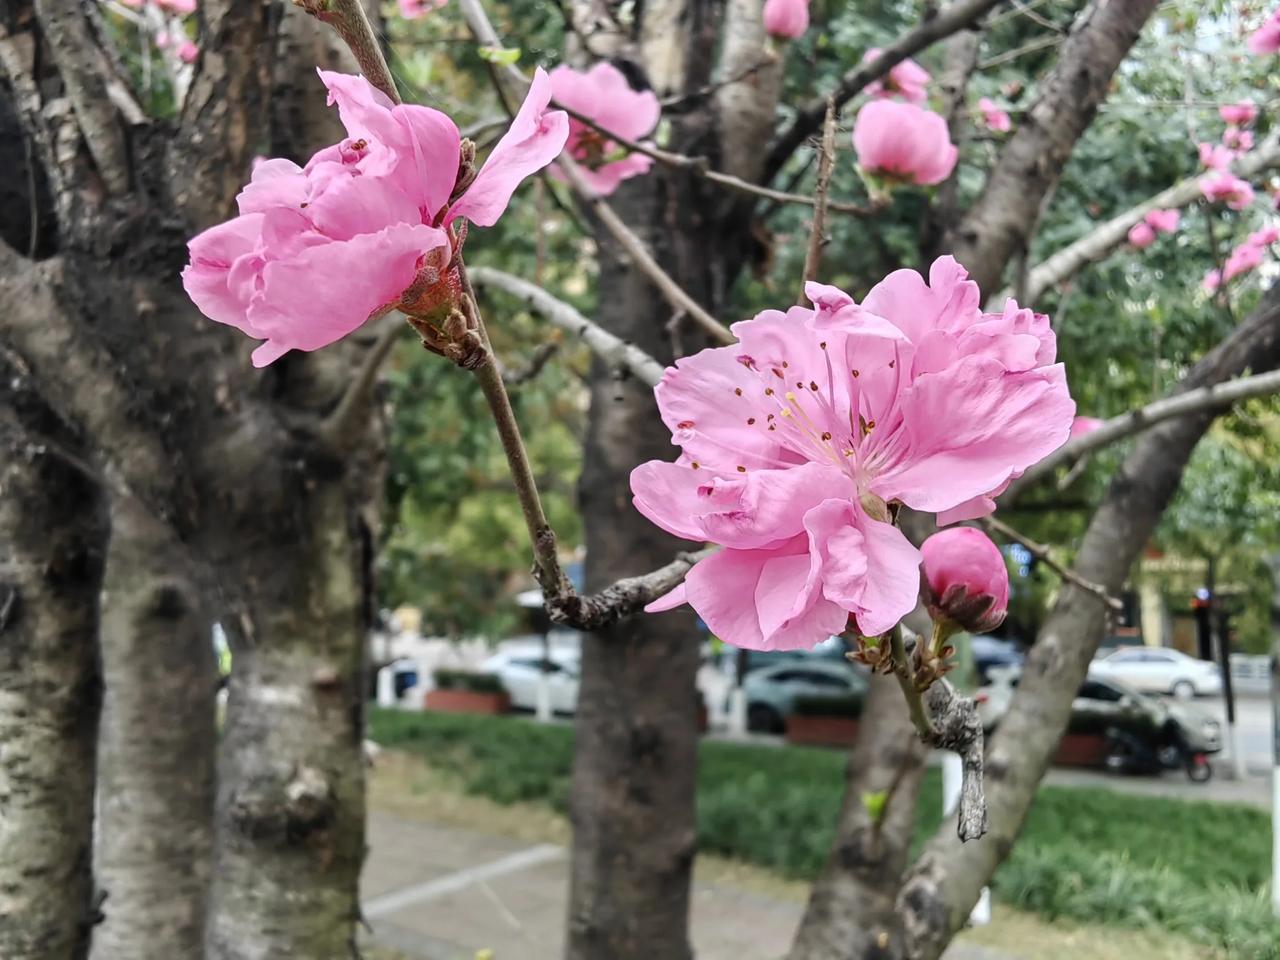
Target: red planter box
point(1080, 750)
point(821, 731)
point(466, 701)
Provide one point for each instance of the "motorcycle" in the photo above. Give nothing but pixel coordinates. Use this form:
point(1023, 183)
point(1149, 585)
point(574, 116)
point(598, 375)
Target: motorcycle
point(1130, 752)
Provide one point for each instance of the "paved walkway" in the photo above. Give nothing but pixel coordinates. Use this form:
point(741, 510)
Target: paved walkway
point(444, 893)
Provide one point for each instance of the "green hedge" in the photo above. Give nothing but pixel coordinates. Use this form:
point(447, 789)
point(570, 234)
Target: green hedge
point(469, 680)
point(1193, 868)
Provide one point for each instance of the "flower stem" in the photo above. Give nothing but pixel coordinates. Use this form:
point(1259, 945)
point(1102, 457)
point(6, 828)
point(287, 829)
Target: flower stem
point(555, 586)
point(902, 670)
point(351, 23)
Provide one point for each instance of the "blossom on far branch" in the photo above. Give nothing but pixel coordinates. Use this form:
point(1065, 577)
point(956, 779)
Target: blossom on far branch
point(1266, 39)
point(413, 9)
point(902, 143)
point(786, 19)
point(800, 443)
point(604, 95)
point(1225, 187)
point(993, 117)
point(906, 80)
point(1239, 114)
point(1143, 233)
point(1244, 258)
point(365, 226)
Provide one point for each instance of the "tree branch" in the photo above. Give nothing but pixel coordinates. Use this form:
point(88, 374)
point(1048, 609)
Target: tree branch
point(1042, 553)
point(612, 350)
point(625, 597)
point(1105, 238)
point(351, 23)
point(1001, 220)
point(808, 121)
point(817, 233)
point(542, 355)
point(1179, 404)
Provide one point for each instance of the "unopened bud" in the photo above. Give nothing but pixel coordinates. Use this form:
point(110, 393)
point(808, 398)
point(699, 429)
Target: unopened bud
point(964, 582)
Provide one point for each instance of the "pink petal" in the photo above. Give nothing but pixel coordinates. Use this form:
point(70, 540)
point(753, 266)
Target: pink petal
point(967, 429)
point(327, 291)
point(949, 301)
point(213, 253)
point(604, 94)
point(535, 138)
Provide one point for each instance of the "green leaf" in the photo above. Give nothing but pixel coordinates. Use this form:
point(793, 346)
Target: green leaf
point(874, 803)
point(502, 56)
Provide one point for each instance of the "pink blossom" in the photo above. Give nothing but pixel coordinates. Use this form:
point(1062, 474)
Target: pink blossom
point(1266, 39)
point(903, 142)
point(1141, 235)
point(1239, 114)
point(1162, 221)
point(995, 118)
point(187, 51)
point(788, 19)
point(1215, 156)
point(906, 79)
point(1264, 237)
point(1083, 425)
point(603, 94)
point(1228, 188)
point(413, 9)
point(798, 441)
point(179, 7)
point(162, 39)
point(318, 250)
point(1237, 140)
point(966, 582)
point(1242, 259)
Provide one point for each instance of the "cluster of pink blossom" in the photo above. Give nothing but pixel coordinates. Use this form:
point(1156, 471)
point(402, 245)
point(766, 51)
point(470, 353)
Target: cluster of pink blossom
point(1266, 39)
point(786, 19)
point(603, 94)
point(1143, 233)
point(172, 36)
point(413, 9)
point(996, 119)
point(906, 80)
point(1243, 258)
point(800, 441)
point(365, 226)
point(897, 140)
point(1219, 184)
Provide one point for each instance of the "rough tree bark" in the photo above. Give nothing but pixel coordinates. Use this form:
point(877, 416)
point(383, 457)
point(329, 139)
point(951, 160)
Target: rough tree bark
point(238, 465)
point(999, 225)
point(944, 884)
point(635, 759)
point(156, 748)
point(52, 535)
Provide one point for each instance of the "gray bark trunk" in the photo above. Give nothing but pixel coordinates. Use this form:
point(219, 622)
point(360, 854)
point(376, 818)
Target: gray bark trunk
point(944, 884)
point(290, 809)
point(852, 914)
point(52, 534)
point(156, 748)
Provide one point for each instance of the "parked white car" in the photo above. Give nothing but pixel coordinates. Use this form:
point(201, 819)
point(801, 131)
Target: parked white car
point(1160, 670)
point(521, 669)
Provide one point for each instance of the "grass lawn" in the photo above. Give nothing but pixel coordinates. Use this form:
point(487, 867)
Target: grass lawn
point(1195, 869)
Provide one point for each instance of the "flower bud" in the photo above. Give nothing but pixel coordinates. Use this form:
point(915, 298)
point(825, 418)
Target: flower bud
point(965, 584)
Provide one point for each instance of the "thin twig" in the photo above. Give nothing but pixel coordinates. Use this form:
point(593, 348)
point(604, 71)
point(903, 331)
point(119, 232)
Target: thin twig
point(1135, 421)
point(1029, 47)
point(817, 235)
point(701, 167)
point(672, 103)
point(640, 256)
point(613, 351)
point(351, 23)
point(625, 597)
point(542, 353)
point(1042, 553)
point(1220, 258)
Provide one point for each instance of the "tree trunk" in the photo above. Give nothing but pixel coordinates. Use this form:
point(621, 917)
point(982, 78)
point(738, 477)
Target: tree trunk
point(945, 883)
point(635, 757)
point(290, 809)
point(156, 750)
point(52, 532)
point(851, 913)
